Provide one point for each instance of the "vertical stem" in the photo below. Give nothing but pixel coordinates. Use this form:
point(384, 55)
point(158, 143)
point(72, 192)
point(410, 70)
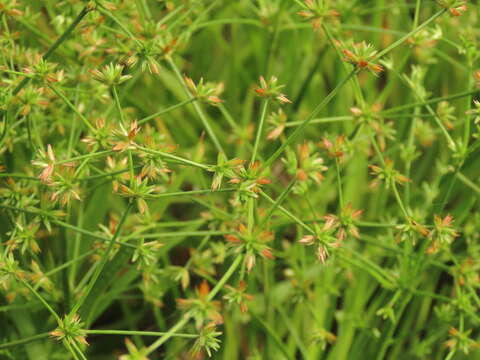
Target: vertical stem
point(259, 130)
point(292, 137)
point(179, 325)
point(466, 134)
point(417, 14)
point(339, 183)
point(198, 109)
point(104, 259)
point(118, 105)
point(79, 351)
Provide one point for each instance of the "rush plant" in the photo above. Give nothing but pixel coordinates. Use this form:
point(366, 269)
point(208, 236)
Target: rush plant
point(250, 179)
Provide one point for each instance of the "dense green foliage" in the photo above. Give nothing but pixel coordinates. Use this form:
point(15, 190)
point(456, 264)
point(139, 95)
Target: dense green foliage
point(248, 179)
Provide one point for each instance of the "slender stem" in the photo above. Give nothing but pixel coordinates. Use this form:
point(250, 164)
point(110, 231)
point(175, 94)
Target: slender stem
point(226, 114)
point(393, 184)
point(450, 354)
point(103, 261)
point(179, 325)
point(225, 277)
point(174, 157)
point(430, 101)
point(278, 202)
point(163, 111)
point(69, 347)
point(199, 111)
point(190, 193)
point(449, 139)
point(130, 168)
point(417, 14)
point(24, 340)
point(399, 199)
point(292, 137)
point(73, 107)
point(179, 234)
point(409, 35)
point(279, 342)
point(322, 120)
point(107, 13)
point(118, 105)
point(259, 130)
point(289, 214)
point(376, 148)
point(86, 156)
point(53, 219)
point(42, 300)
point(79, 351)
point(466, 133)
point(339, 183)
point(70, 262)
point(45, 56)
point(468, 182)
point(141, 333)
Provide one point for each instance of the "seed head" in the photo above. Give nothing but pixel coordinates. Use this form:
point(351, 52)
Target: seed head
point(271, 90)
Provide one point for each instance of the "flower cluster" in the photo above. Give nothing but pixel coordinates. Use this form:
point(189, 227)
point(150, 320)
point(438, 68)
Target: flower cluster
point(207, 92)
point(388, 174)
point(333, 232)
point(316, 11)
point(252, 244)
point(271, 90)
point(362, 56)
point(201, 308)
point(70, 329)
point(248, 180)
point(442, 234)
point(111, 75)
point(58, 175)
point(455, 7)
point(306, 166)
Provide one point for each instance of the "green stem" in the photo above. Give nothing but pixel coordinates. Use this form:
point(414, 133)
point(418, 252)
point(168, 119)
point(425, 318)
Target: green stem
point(45, 56)
point(141, 333)
point(449, 139)
point(468, 182)
point(429, 102)
point(73, 107)
point(69, 347)
point(417, 14)
point(107, 13)
point(103, 261)
point(409, 35)
point(118, 105)
point(399, 199)
point(24, 340)
point(201, 115)
point(42, 300)
point(277, 203)
point(79, 351)
point(190, 193)
point(179, 325)
point(339, 183)
point(174, 157)
point(163, 111)
point(85, 156)
point(292, 137)
point(259, 130)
